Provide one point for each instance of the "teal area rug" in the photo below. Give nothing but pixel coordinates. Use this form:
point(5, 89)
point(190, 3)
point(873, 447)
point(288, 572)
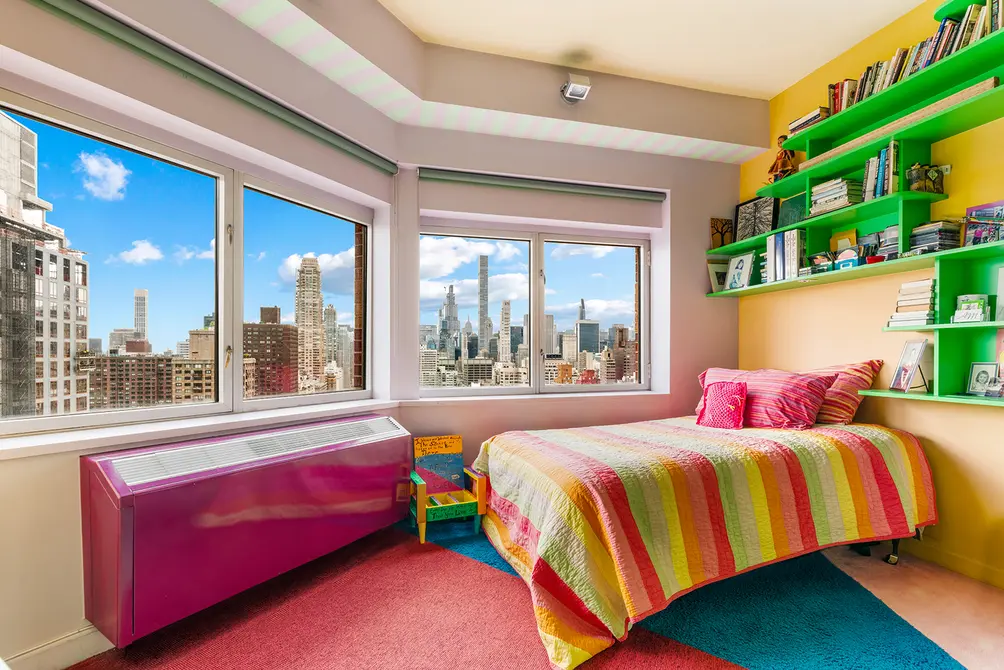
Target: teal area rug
point(800, 614)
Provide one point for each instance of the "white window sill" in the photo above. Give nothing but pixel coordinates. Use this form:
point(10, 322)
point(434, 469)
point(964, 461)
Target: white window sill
point(536, 397)
point(126, 436)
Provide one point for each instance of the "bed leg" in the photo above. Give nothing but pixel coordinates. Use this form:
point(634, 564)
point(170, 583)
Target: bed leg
point(893, 558)
point(863, 548)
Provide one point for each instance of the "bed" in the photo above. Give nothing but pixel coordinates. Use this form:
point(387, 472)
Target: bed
point(610, 524)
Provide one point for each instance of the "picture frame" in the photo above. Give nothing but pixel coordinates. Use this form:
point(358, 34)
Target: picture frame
point(756, 217)
point(739, 272)
point(909, 363)
point(718, 270)
point(980, 377)
point(722, 232)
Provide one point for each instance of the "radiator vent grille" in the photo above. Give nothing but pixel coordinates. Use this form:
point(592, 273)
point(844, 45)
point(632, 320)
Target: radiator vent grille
point(170, 462)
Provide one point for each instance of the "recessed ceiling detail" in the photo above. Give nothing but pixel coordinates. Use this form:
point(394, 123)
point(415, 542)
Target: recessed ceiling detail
point(755, 48)
point(288, 27)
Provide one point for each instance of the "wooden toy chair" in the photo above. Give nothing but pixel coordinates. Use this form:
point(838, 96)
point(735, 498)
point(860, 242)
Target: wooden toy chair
point(467, 502)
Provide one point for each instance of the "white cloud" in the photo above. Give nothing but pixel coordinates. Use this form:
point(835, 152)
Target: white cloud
point(441, 256)
point(142, 252)
point(598, 275)
point(258, 257)
point(105, 179)
point(561, 251)
point(288, 318)
point(347, 318)
point(549, 291)
point(337, 270)
point(596, 310)
point(513, 286)
point(186, 253)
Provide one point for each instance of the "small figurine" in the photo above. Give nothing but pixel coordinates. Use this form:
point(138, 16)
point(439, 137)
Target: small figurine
point(784, 164)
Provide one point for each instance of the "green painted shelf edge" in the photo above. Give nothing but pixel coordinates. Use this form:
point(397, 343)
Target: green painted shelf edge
point(963, 65)
point(944, 326)
point(863, 271)
point(930, 397)
point(841, 217)
point(955, 120)
point(955, 9)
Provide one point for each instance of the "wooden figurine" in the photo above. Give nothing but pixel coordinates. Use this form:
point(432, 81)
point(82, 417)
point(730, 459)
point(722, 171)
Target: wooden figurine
point(441, 487)
point(784, 164)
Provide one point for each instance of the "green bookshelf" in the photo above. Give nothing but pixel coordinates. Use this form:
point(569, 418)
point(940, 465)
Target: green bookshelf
point(971, 65)
point(955, 9)
point(973, 269)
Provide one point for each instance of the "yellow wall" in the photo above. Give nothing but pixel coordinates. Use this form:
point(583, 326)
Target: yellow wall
point(843, 323)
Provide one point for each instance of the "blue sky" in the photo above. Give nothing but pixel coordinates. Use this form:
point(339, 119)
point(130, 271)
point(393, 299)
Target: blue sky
point(602, 275)
point(147, 224)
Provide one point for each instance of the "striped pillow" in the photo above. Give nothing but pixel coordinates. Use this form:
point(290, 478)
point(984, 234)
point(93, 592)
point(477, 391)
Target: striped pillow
point(774, 398)
point(842, 399)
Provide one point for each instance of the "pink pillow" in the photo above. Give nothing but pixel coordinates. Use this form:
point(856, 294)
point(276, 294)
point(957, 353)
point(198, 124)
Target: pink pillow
point(723, 405)
point(774, 398)
point(842, 399)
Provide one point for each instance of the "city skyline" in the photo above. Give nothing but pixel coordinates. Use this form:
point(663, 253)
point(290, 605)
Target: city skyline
point(144, 224)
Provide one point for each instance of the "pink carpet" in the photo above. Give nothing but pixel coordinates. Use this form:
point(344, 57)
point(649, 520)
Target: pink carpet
point(384, 602)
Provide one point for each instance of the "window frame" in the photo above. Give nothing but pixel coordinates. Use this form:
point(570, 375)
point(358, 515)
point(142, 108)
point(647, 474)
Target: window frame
point(225, 177)
point(318, 202)
point(537, 236)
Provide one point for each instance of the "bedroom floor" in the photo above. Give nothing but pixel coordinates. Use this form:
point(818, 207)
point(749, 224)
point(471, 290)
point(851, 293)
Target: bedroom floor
point(388, 602)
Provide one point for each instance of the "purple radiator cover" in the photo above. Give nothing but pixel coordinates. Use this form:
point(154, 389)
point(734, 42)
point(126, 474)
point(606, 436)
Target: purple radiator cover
point(155, 553)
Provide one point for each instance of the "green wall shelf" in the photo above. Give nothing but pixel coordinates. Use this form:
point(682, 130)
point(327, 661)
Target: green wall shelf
point(841, 218)
point(960, 70)
point(966, 257)
point(955, 120)
point(955, 9)
point(958, 399)
point(944, 326)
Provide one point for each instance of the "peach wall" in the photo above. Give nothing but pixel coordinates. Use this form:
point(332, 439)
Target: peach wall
point(843, 322)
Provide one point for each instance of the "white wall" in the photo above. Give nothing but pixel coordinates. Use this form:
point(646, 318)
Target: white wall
point(41, 597)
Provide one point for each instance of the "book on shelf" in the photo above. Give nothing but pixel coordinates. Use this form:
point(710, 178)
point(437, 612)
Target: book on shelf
point(889, 242)
point(784, 255)
point(834, 194)
point(936, 236)
point(921, 283)
point(812, 118)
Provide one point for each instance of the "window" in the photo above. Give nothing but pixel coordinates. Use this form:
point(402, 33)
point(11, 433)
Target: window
point(592, 313)
point(589, 317)
point(475, 312)
point(148, 228)
point(305, 299)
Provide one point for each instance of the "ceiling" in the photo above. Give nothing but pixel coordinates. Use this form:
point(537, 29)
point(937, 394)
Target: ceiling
point(755, 48)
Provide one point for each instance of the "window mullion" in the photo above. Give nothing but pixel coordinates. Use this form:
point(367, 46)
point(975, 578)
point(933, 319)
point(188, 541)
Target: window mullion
point(537, 310)
point(234, 296)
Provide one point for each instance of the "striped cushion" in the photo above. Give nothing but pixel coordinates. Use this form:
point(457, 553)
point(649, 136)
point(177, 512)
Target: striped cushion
point(842, 399)
point(774, 398)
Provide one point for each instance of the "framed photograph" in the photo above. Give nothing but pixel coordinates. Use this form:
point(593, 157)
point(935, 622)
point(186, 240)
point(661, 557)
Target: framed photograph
point(980, 377)
point(722, 232)
point(909, 362)
point(756, 217)
point(740, 268)
point(979, 232)
point(718, 270)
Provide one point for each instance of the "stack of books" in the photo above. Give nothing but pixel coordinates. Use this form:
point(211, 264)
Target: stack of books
point(915, 305)
point(810, 119)
point(889, 242)
point(936, 236)
point(882, 173)
point(834, 194)
point(762, 260)
point(785, 253)
point(951, 36)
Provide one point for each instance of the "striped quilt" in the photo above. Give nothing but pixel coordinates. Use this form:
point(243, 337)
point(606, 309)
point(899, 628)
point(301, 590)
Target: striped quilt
point(609, 524)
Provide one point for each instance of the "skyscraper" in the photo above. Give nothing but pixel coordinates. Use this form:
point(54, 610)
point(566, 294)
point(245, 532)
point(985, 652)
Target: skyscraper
point(484, 327)
point(549, 341)
point(43, 292)
point(141, 314)
point(274, 347)
point(310, 325)
point(450, 313)
point(582, 309)
point(587, 336)
point(505, 334)
point(330, 333)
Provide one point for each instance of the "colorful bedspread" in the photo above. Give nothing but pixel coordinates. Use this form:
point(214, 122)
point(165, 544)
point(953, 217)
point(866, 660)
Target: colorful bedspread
point(609, 524)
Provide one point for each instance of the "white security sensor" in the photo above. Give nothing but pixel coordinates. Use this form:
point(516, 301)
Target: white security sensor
point(575, 89)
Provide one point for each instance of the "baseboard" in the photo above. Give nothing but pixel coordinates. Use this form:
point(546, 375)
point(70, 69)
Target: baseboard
point(62, 652)
point(929, 550)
